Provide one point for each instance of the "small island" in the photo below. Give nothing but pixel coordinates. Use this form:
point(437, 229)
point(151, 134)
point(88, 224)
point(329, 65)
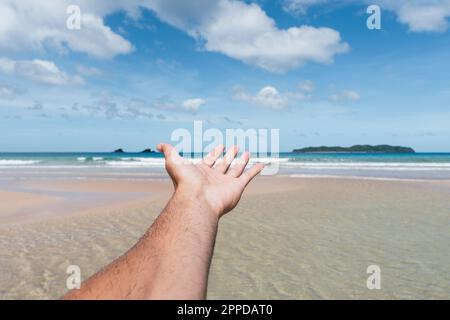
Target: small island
point(148, 150)
point(356, 149)
point(119, 151)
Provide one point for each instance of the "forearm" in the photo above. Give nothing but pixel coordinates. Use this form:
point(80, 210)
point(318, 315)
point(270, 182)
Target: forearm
point(171, 260)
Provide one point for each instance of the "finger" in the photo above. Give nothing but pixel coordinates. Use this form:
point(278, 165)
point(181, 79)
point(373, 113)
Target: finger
point(237, 170)
point(170, 153)
point(212, 157)
point(225, 162)
point(248, 175)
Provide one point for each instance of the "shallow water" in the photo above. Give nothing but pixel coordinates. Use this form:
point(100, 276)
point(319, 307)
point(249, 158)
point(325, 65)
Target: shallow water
point(298, 239)
point(318, 242)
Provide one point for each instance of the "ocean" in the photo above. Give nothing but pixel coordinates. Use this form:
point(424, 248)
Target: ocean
point(83, 165)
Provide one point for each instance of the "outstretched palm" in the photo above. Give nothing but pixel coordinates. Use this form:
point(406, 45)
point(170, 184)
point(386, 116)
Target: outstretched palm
point(213, 179)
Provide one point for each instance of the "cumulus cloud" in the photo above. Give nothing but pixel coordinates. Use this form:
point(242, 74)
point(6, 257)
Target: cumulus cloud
point(37, 25)
point(268, 97)
point(345, 95)
point(41, 71)
point(192, 104)
point(244, 31)
point(238, 29)
point(271, 97)
point(420, 15)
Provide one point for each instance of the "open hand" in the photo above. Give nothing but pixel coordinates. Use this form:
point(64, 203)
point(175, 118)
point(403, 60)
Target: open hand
point(212, 180)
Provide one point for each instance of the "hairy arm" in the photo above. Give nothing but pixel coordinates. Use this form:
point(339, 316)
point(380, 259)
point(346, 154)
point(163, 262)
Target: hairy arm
point(172, 259)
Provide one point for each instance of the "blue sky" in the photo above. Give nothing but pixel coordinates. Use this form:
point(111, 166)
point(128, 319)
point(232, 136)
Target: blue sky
point(137, 70)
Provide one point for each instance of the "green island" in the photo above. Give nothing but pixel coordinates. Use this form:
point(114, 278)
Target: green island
point(357, 149)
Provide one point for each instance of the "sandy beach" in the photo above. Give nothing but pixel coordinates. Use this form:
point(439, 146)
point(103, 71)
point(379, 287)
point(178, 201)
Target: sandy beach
point(289, 238)
point(322, 125)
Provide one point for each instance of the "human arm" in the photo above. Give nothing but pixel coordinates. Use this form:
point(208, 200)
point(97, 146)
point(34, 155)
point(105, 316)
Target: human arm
point(172, 259)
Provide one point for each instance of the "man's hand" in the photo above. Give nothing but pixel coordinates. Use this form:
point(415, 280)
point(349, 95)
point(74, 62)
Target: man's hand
point(211, 181)
point(172, 259)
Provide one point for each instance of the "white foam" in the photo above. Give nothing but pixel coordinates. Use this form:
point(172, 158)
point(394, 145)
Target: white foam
point(330, 176)
point(269, 160)
point(160, 162)
point(287, 163)
point(136, 162)
point(17, 162)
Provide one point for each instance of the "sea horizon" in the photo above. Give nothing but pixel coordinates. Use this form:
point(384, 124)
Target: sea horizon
point(419, 165)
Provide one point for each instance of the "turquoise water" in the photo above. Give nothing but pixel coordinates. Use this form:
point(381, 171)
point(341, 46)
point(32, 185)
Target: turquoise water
point(374, 157)
point(407, 166)
point(76, 157)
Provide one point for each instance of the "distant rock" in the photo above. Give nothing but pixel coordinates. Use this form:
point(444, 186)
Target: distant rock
point(148, 151)
point(119, 151)
point(357, 149)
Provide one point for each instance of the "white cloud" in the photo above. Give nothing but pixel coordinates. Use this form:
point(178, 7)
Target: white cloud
point(419, 15)
point(300, 6)
point(240, 30)
point(94, 38)
point(268, 97)
point(192, 104)
point(37, 25)
point(345, 95)
point(243, 31)
point(271, 97)
point(237, 29)
point(41, 71)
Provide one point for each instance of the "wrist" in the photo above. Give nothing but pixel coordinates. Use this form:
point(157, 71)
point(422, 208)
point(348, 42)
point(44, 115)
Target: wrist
point(196, 203)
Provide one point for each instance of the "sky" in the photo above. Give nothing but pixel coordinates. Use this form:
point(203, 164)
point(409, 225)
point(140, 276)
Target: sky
point(135, 71)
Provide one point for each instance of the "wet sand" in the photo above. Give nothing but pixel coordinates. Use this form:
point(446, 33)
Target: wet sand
point(289, 238)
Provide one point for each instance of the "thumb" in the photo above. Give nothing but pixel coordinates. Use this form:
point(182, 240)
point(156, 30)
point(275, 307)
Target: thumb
point(169, 151)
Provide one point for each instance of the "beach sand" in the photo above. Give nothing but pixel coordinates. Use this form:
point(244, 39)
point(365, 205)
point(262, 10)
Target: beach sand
point(289, 238)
